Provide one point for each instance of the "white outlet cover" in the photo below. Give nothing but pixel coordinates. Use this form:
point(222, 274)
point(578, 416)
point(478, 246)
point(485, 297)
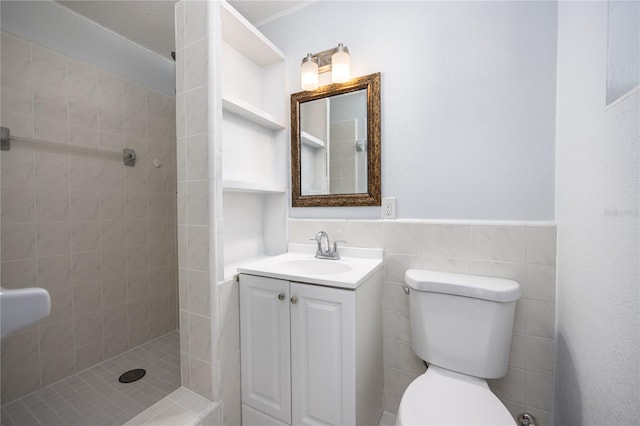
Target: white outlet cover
point(388, 210)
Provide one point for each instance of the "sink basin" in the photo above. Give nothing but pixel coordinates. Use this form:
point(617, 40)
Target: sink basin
point(300, 264)
point(22, 307)
point(315, 266)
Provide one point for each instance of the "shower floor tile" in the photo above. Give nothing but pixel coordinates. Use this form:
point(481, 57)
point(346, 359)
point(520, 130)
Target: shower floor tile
point(95, 397)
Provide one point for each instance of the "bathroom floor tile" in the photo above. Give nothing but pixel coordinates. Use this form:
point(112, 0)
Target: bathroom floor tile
point(95, 397)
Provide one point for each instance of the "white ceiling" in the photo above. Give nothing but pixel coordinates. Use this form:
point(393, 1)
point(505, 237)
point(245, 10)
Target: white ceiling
point(149, 23)
point(260, 11)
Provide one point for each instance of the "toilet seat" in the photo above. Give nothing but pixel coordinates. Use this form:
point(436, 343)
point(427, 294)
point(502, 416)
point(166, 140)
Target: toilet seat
point(442, 397)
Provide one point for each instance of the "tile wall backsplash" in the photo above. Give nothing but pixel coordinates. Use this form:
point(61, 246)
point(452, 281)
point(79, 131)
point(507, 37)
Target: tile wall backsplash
point(99, 236)
point(523, 251)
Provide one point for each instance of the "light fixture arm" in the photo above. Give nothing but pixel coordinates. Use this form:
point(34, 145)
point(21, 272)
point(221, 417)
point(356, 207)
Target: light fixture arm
point(324, 58)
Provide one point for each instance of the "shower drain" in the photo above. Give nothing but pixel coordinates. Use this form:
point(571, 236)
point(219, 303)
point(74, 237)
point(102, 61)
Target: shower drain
point(132, 375)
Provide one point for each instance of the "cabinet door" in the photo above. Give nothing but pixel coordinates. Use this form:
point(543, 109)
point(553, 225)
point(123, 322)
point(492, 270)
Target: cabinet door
point(265, 345)
point(323, 351)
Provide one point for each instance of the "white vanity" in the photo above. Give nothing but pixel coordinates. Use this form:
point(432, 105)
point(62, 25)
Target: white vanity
point(311, 338)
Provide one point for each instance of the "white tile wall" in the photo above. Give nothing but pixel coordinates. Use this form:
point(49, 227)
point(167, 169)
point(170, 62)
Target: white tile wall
point(196, 225)
point(98, 235)
point(521, 251)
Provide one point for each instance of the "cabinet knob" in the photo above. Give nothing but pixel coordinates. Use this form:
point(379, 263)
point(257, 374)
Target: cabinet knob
point(281, 296)
point(294, 300)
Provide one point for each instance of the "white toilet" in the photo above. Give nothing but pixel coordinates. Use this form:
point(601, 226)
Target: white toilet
point(461, 326)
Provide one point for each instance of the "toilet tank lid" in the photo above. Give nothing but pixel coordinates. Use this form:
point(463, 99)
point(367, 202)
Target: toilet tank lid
point(476, 286)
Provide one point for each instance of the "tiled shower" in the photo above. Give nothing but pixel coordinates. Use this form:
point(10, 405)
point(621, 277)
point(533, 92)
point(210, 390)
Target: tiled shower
point(99, 236)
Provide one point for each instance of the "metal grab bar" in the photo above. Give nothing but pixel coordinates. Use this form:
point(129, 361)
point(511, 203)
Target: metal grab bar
point(128, 155)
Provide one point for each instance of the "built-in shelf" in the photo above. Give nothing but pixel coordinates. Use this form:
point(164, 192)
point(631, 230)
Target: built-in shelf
point(254, 115)
point(244, 186)
point(311, 141)
point(246, 39)
point(251, 113)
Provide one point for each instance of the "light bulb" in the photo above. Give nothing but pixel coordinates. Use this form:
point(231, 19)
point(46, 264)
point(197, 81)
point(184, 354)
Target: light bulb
point(340, 64)
point(309, 73)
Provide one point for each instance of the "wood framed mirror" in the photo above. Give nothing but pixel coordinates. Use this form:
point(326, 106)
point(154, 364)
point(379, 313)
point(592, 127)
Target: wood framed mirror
point(335, 144)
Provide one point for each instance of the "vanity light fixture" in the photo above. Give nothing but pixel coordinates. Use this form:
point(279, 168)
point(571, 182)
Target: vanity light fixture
point(336, 60)
point(309, 73)
point(340, 64)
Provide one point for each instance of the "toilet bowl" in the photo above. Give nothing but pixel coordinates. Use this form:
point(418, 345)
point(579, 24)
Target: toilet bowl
point(461, 325)
point(442, 397)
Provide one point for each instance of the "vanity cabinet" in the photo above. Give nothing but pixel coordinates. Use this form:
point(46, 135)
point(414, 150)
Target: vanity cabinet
point(310, 354)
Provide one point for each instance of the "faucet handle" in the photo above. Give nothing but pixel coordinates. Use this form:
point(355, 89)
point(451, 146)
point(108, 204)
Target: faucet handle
point(335, 245)
point(334, 254)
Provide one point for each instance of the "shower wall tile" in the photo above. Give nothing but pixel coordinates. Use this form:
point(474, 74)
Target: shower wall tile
point(54, 271)
point(196, 236)
point(20, 124)
point(51, 171)
point(20, 381)
point(135, 97)
point(85, 236)
point(18, 241)
point(50, 130)
point(18, 205)
point(84, 137)
point(196, 111)
point(17, 169)
point(61, 304)
point(197, 160)
point(201, 374)
point(57, 368)
point(20, 349)
point(114, 292)
point(196, 65)
point(89, 355)
point(99, 236)
point(17, 94)
point(230, 389)
point(524, 252)
point(19, 273)
point(195, 22)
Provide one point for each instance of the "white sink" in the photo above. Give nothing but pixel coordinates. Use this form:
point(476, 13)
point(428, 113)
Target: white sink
point(22, 307)
point(300, 264)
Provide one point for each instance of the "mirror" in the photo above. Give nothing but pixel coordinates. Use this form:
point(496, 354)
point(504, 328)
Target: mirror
point(335, 144)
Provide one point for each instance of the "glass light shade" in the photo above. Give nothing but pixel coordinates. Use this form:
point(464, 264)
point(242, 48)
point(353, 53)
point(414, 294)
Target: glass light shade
point(309, 73)
point(340, 65)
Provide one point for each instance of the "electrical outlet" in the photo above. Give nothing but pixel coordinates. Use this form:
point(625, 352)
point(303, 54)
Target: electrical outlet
point(389, 208)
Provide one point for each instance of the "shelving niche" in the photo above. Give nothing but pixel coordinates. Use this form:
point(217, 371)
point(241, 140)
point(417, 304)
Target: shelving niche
point(254, 138)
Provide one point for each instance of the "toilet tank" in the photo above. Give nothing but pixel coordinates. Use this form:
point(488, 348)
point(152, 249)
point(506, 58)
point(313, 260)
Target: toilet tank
point(462, 322)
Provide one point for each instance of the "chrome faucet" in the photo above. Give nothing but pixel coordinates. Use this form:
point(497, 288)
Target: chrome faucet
point(324, 250)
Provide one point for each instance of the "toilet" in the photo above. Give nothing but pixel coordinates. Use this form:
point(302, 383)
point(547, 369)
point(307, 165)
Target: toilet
point(461, 326)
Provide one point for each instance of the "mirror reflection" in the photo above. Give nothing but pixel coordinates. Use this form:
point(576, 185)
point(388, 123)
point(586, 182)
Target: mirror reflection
point(333, 150)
